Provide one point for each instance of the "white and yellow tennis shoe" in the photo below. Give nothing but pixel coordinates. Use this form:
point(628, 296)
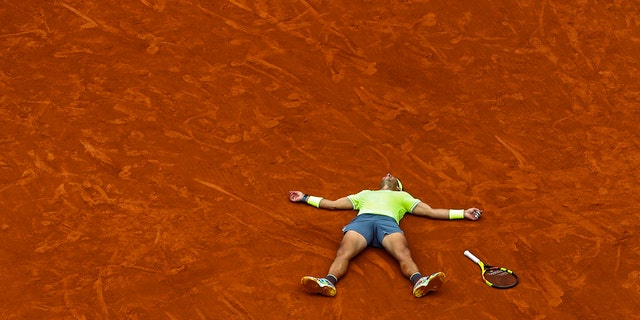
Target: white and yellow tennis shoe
point(321, 286)
point(428, 284)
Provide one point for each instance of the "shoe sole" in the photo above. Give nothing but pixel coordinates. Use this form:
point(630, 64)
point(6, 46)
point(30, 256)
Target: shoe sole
point(435, 282)
point(310, 285)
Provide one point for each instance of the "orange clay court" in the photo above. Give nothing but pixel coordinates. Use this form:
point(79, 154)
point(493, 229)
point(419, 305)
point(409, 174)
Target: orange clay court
point(147, 149)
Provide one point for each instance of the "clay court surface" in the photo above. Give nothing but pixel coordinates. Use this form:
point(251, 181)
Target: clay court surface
point(147, 149)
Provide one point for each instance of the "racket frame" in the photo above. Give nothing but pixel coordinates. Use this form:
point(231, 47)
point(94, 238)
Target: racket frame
point(485, 267)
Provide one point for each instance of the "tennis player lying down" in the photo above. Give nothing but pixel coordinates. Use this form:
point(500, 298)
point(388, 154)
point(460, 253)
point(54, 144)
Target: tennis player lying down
point(377, 225)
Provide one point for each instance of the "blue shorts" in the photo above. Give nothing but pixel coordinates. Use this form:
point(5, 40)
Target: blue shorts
point(373, 227)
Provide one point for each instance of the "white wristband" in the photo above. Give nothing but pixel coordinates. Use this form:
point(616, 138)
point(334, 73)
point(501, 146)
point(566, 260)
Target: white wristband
point(455, 214)
point(314, 201)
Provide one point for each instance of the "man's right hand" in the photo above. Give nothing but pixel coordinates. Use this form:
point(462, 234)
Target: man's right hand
point(295, 196)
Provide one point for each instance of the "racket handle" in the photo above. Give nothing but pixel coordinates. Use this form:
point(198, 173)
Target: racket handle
point(470, 255)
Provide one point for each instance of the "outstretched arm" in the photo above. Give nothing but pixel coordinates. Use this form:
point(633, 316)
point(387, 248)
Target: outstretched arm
point(425, 210)
point(341, 204)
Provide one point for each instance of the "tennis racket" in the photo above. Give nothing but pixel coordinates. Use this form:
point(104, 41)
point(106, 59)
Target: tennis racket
point(495, 277)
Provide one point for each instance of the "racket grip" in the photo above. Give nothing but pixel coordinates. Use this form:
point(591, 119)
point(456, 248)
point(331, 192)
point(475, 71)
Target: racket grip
point(470, 255)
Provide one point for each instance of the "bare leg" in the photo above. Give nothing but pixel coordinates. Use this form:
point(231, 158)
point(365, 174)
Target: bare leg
point(396, 244)
point(352, 244)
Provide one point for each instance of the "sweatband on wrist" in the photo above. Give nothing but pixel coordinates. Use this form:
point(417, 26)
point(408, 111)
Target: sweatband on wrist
point(456, 214)
point(314, 201)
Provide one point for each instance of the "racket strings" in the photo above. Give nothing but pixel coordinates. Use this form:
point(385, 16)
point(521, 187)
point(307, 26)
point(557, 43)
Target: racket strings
point(500, 277)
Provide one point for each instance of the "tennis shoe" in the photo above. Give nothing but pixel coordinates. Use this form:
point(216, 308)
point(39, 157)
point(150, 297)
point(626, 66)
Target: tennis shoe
point(321, 286)
point(428, 284)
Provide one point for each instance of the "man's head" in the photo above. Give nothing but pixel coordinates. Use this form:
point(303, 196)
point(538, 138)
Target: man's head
point(389, 182)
